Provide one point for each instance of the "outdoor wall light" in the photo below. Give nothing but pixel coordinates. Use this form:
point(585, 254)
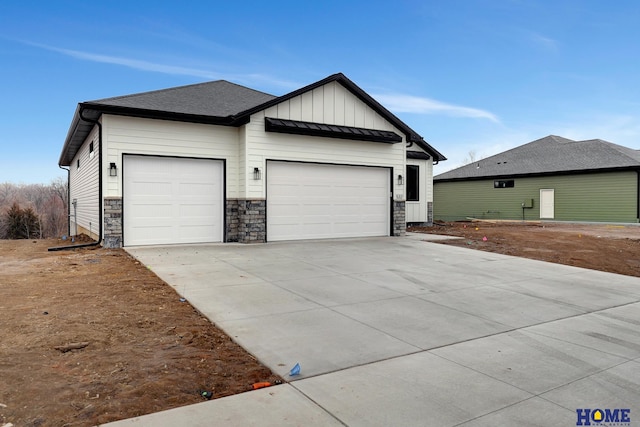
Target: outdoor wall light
point(113, 170)
point(400, 180)
point(256, 174)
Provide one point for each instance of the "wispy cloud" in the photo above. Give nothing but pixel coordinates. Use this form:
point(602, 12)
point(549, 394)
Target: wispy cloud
point(620, 129)
point(544, 42)
point(155, 67)
point(413, 104)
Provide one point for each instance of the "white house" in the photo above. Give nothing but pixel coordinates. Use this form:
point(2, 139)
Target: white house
point(219, 162)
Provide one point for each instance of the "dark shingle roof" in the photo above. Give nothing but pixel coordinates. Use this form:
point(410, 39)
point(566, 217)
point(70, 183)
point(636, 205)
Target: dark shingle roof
point(219, 98)
point(552, 154)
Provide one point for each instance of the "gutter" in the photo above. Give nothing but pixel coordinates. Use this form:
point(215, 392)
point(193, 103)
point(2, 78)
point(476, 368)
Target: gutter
point(100, 214)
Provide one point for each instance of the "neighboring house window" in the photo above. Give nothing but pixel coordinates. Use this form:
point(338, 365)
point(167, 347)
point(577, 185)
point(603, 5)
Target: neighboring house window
point(91, 150)
point(509, 183)
point(413, 183)
point(78, 164)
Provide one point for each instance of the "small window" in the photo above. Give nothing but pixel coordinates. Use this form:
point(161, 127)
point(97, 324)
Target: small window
point(413, 183)
point(78, 164)
point(509, 183)
point(91, 147)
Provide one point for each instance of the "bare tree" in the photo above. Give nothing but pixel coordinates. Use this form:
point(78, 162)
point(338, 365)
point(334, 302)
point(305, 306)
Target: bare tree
point(470, 158)
point(37, 210)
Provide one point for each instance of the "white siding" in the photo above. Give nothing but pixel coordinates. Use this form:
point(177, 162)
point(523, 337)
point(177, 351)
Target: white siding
point(332, 104)
point(130, 135)
point(83, 185)
point(417, 211)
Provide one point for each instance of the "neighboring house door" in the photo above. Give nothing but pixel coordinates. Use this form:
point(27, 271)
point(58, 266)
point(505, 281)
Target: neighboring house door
point(547, 203)
point(170, 200)
point(318, 201)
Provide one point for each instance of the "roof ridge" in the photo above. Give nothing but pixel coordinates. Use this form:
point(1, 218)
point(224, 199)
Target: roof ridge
point(559, 139)
point(625, 151)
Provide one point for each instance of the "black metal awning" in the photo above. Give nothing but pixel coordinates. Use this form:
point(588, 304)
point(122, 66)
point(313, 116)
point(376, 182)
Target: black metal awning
point(417, 155)
point(330, 131)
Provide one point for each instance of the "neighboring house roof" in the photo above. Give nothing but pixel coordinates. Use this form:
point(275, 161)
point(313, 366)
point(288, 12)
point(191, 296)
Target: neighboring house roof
point(218, 102)
point(547, 156)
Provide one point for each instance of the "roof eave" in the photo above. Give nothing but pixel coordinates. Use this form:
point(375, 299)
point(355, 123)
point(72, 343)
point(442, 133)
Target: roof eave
point(157, 114)
point(539, 174)
point(75, 137)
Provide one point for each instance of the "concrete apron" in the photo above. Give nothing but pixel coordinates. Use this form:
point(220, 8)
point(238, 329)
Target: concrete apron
point(400, 331)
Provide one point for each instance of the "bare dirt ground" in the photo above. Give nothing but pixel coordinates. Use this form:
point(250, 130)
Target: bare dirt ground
point(146, 350)
point(605, 247)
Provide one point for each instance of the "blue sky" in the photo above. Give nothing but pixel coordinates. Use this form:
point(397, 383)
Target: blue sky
point(468, 75)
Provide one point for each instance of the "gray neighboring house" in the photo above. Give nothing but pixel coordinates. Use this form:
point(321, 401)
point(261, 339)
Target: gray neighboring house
point(219, 162)
point(552, 178)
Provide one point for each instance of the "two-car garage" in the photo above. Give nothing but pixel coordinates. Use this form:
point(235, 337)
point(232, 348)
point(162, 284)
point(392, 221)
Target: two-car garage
point(169, 200)
point(319, 201)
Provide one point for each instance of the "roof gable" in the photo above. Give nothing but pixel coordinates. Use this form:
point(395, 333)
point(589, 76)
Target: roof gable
point(411, 135)
point(548, 155)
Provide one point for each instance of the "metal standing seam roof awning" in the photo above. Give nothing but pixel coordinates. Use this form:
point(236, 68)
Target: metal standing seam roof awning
point(330, 131)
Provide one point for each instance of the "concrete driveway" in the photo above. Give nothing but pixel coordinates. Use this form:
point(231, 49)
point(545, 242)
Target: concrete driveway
point(403, 332)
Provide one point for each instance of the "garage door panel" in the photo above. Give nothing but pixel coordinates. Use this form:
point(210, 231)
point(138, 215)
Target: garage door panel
point(172, 200)
point(311, 201)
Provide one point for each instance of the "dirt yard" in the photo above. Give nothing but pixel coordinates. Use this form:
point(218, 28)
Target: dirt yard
point(612, 248)
point(146, 351)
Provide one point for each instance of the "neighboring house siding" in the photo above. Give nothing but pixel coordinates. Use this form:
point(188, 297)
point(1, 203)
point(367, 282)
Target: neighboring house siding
point(130, 135)
point(331, 104)
point(610, 197)
point(83, 187)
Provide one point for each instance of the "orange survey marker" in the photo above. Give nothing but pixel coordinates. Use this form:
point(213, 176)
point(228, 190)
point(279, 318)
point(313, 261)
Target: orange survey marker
point(261, 385)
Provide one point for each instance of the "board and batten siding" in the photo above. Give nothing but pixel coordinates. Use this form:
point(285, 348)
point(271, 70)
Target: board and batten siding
point(330, 104)
point(83, 188)
point(132, 135)
point(417, 211)
point(606, 197)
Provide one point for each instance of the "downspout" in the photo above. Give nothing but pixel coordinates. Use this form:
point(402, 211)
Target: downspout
point(68, 199)
point(100, 215)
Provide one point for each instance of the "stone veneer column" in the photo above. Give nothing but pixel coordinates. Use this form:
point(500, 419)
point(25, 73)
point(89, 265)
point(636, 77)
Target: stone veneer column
point(112, 222)
point(429, 213)
point(252, 221)
point(399, 219)
point(232, 220)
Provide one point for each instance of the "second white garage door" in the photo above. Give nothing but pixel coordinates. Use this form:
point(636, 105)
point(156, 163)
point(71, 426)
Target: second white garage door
point(172, 200)
point(317, 201)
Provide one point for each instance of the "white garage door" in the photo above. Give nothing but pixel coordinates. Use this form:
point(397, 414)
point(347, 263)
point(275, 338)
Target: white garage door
point(172, 200)
point(313, 201)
